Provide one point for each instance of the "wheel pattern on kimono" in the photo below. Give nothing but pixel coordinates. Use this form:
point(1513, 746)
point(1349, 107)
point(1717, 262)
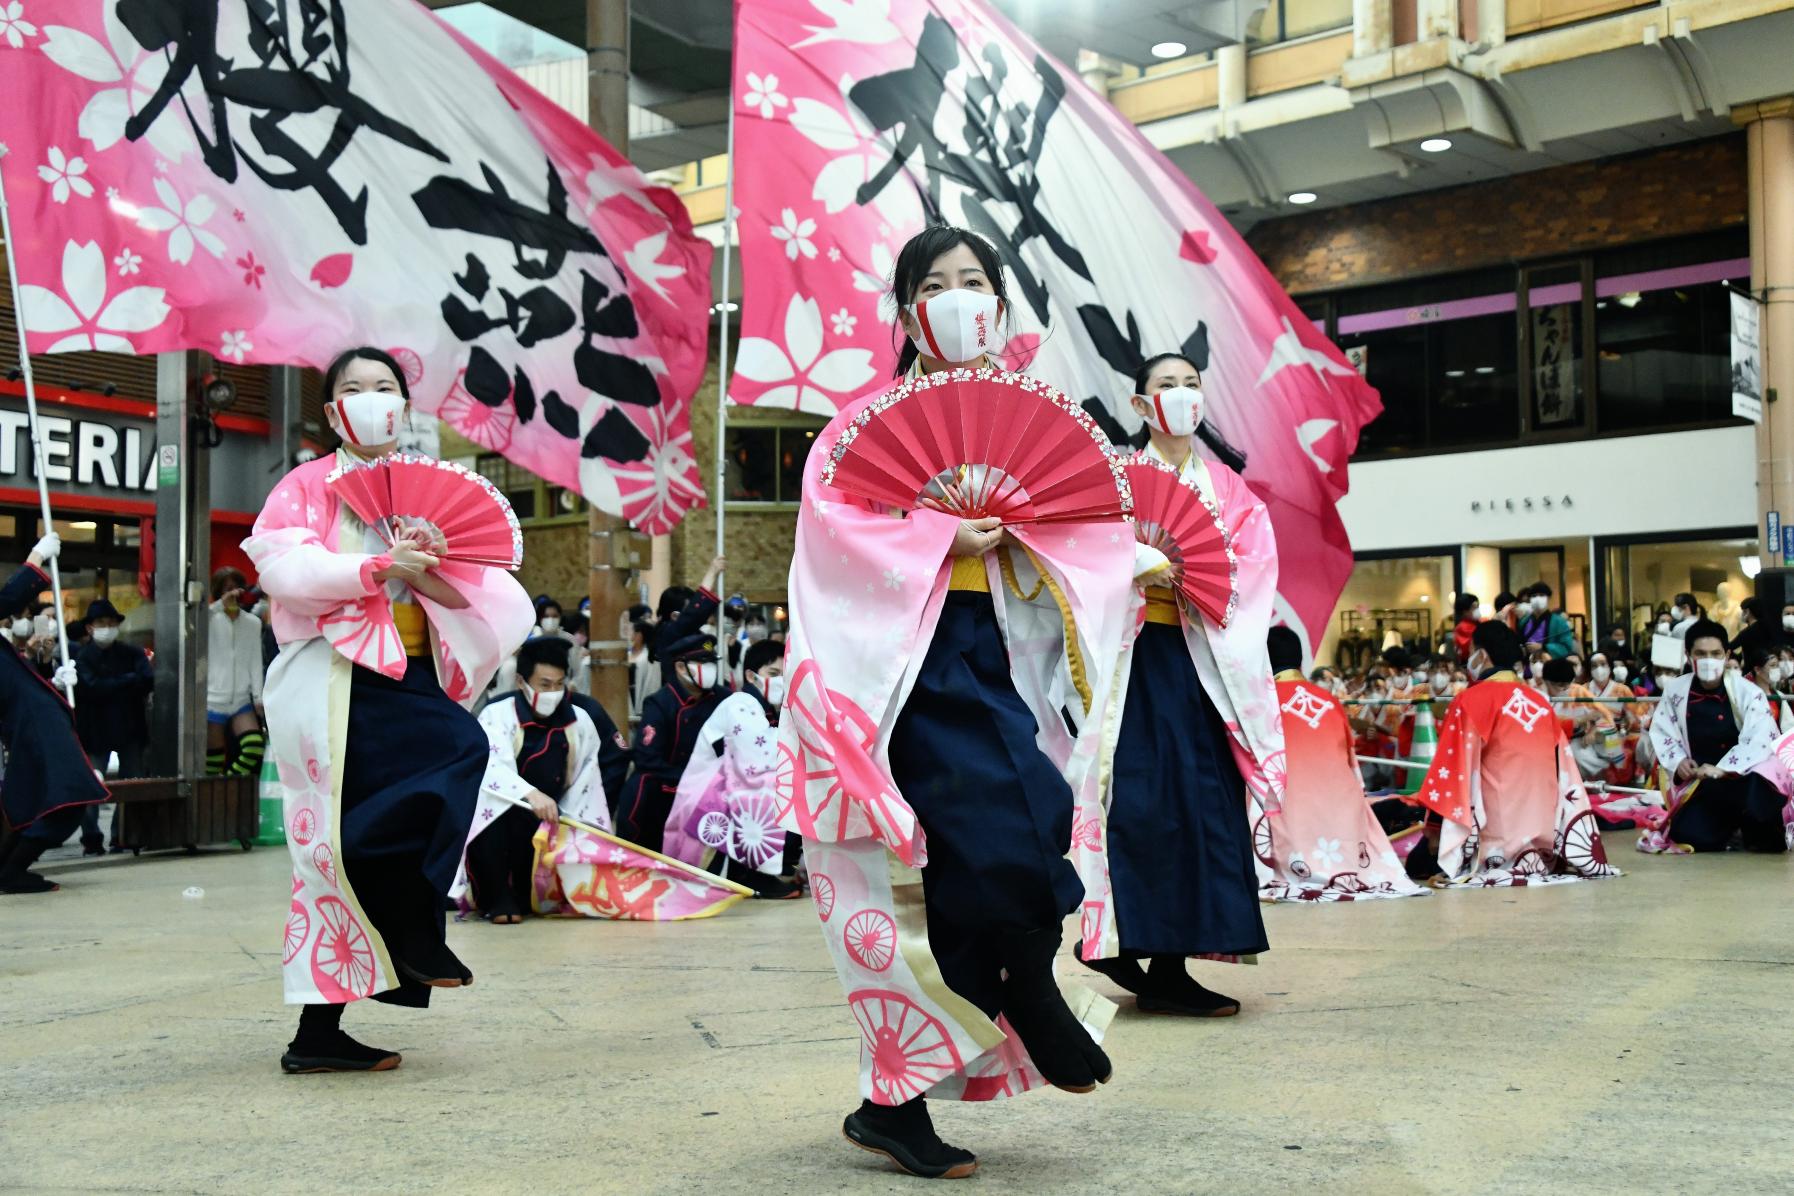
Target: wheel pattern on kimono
point(754, 830)
point(1347, 884)
point(1090, 929)
point(1087, 832)
point(304, 826)
point(1579, 844)
point(298, 930)
point(364, 632)
point(843, 793)
point(822, 891)
point(490, 425)
point(713, 829)
point(1530, 862)
point(342, 956)
point(911, 1050)
point(870, 938)
point(325, 861)
point(1263, 845)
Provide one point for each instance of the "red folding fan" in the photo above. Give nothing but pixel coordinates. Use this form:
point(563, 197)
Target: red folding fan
point(978, 443)
point(403, 491)
point(1173, 516)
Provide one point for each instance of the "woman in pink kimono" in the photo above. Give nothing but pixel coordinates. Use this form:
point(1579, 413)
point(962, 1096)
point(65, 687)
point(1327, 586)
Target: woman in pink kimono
point(382, 650)
point(943, 717)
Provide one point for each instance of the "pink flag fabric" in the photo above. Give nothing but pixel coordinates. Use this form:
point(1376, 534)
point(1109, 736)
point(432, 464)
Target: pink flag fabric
point(286, 181)
point(859, 123)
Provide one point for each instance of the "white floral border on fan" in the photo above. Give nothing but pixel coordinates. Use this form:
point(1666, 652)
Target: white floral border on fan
point(485, 483)
point(1214, 510)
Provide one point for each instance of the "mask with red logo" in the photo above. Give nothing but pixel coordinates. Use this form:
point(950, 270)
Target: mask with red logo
point(1175, 412)
point(956, 326)
point(371, 417)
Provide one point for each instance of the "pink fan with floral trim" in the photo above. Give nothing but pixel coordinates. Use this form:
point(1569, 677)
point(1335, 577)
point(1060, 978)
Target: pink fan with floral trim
point(403, 491)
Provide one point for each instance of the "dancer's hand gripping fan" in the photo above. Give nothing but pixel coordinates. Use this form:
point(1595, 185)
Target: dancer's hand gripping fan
point(460, 513)
point(1174, 517)
point(980, 443)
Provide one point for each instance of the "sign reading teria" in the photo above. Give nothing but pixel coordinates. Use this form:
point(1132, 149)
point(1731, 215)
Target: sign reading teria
point(286, 181)
point(859, 123)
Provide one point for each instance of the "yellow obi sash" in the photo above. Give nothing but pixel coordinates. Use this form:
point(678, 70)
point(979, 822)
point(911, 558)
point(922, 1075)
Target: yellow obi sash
point(414, 627)
point(1161, 606)
point(968, 574)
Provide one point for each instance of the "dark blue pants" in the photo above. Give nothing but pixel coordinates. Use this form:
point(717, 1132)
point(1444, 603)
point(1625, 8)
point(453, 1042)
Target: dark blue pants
point(996, 812)
point(1747, 806)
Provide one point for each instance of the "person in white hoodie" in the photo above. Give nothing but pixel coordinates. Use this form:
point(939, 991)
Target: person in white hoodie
point(233, 680)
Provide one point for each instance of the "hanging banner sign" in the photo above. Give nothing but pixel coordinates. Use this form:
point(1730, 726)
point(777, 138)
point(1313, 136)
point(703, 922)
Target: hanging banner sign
point(1747, 359)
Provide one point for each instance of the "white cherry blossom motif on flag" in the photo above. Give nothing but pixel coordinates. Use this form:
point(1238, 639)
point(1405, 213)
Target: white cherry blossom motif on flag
point(13, 25)
point(799, 374)
point(763, 93)
point(130, 75)
point(84, 312)
point(65, 176)
point(235, 346)
point(843, 322)
point(865, 21)
point(183, 222)
point(835, 125)
point(128, 262)
point(795, 234)
point(643, 260)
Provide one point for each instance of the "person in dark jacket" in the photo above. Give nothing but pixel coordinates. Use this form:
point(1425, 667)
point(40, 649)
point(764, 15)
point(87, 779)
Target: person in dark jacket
point(671, 720)
point(679, 621)
point(112, 690)
point(48, 779)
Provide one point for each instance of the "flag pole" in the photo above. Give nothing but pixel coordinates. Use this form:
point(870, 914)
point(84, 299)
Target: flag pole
point(37, 439)
point(722, 380)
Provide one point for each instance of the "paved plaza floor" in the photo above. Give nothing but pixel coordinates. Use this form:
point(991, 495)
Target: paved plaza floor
point(1621, 1036)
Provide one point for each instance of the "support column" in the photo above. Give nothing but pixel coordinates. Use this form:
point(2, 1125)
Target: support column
point(183, 566)
point(286, 415)
point(607, 96)
point(1373, 27)
point(1230, 71)
point(1491, 23)
point(1098, 71)
point(1437, 18)
point(1769, 131)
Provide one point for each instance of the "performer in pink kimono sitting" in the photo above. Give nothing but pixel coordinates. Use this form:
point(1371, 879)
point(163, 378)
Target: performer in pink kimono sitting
point(932, 668)
point(1503, 781)
point(382, 652)
point(1325, 844)
point(1199, 744)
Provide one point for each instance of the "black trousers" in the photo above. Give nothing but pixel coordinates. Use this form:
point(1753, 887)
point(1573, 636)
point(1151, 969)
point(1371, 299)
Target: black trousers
point(500, 862)
point(1746, 805)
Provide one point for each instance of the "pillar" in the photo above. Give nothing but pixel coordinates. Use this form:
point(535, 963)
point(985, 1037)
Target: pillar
point(1437, 18)
point(1769, 131)
point(1373, 27)
point(1230, 72)
point(183, 568)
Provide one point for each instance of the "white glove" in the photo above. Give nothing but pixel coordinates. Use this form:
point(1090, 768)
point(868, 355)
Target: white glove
point(48, 547)
point(1149, 564)
point(65, 676)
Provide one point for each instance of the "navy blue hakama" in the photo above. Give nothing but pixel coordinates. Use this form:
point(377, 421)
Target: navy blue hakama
point(49, 780)
point(996, 812)
point(1180, 849)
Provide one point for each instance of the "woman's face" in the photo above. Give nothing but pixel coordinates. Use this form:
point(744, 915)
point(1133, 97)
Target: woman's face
point(359, 376)
point(956, 269)
point(1165, 376)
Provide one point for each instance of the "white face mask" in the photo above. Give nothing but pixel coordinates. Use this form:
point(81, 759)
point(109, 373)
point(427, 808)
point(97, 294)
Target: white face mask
point(1708, 669)
point(1775, 674)
point(1788, 622)
point(703, 676)
point(550, 624)
point(1663, 629)
point(1485, 612)
point(1538, 603)
point(1538, 669)
point(370, 418)
point(1677, 613)
point(44, 624)
point(1600, 673)
point(545, 703)
point(956, 326)
point(105, 635)
point(1478, 663)
point(21, 629)
point(774, 689)
point(1175, 412)
point(1400, 681)
point(1620, 672)
point(1441, 680)
point(1663, 679)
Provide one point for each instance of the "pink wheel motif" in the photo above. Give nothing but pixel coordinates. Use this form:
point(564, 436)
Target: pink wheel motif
point(298, 930)
point(911, 1050)
point(304, 826)
point(785, 780)
point(297, 884)
point(1087, 832)
point(325, 859)
point(822, 891)
point(871, 939)
point(491, 427)
point(410, 363)
point(342, 957)
point(843, 793)
point(314, 771)
point(1262, 845)
point(713, 829)
point(1581, 847)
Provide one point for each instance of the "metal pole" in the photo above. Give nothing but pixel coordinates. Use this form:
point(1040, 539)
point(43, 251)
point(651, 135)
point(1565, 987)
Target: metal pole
point(722, 371)
point(37, 439)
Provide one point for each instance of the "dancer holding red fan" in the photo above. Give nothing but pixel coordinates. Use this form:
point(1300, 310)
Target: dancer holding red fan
point(956, 599)
point(1200, 752)
point(390, 600)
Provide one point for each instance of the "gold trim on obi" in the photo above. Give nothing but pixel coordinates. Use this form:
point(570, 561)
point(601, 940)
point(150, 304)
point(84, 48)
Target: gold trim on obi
point(413, 626)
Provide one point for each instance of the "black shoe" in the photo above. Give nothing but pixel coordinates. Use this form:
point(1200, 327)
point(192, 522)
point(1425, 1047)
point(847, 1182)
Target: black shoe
point(1057, 1042)
point(335, 1051)
point(905, 1135)
point(96, 847)
point(434, 965)
point(20, 883)
point(1169, 989)
point(1126, 972)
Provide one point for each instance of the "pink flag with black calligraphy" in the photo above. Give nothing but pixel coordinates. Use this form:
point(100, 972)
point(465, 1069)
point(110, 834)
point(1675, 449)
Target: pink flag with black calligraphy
point(274, 183)
point(858, 123)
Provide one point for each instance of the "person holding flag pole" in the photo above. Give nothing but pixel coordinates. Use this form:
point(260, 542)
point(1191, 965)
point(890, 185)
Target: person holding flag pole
point(49, 780)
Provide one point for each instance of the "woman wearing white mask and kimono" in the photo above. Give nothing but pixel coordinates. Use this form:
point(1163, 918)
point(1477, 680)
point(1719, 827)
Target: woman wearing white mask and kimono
point(383, 648)
point(1200, 757)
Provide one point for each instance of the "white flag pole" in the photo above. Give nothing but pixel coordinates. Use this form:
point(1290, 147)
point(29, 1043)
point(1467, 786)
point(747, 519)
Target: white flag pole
point(37, 439)
point(722, 381)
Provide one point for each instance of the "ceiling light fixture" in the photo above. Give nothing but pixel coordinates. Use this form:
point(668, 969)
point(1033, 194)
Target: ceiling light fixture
point(1302, 197)
point(1169, 50)
point(1436, 145)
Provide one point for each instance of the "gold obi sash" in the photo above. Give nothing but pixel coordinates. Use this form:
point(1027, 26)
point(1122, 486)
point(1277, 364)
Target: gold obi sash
point(414, 627)
point(1161, 606)
point(969, 574)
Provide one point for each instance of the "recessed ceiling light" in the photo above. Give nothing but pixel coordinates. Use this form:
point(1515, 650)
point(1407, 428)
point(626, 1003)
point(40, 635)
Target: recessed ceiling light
point(1485, 369)
point(1436, 145)
point(1454, 373)
point(1169, 50)
point(1302, 197)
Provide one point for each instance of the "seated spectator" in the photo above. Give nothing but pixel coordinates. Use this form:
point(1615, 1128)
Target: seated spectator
point(1508, 608)
point(1545, 626)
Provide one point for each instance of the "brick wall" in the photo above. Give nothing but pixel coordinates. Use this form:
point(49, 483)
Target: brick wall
point(555, 562)
point(1692, 188)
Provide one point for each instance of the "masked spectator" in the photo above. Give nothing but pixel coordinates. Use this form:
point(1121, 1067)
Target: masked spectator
point(1544, 626)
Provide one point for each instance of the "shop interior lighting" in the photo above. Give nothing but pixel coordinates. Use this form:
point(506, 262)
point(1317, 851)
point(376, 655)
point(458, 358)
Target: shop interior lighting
point(1169, 50)
point(1485, 369)
point(1436, 145)
point(1630, 299)
point(1750, 566)
point(729, 306)
point(1454, 373)
point(82, 525)
point(1302, 197)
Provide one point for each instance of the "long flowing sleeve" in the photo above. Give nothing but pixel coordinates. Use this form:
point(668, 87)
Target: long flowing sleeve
point(296, 568)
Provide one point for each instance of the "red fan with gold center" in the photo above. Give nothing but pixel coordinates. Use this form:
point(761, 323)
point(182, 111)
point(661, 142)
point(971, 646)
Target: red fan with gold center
point(1173, 516)
point(977, 443)
point(405, 491)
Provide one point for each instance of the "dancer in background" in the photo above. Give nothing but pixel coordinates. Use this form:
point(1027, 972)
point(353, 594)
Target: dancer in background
point(49, 781)
point(1199, 741)
point(380, 760)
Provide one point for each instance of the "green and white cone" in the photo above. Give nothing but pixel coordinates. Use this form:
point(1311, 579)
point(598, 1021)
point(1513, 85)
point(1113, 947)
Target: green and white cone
point(1422, 749)
point(273, 830)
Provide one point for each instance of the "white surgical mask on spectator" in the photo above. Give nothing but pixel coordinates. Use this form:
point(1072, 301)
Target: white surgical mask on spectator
point(104, 635)
point(1663, 627)
point(1600, 673)
point(21, 629)
point(1538, 603)
point(1708, 669)
point(1538, 669)
point(1485, 612)
point(774, 689)
point(1664, 679)
point(1775, 670)
point(1677, 613)
point(550, 624)
point(1441, 680)
point(1620, 672)
point(44, 624)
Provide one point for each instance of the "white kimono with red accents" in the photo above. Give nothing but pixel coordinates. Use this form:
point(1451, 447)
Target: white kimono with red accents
point(867, 589)
point(330, 616)
point(1510, 793)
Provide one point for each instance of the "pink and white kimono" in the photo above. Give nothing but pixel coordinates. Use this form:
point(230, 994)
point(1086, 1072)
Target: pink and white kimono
point(316, 562)
point(730, 798)
point(868, 589)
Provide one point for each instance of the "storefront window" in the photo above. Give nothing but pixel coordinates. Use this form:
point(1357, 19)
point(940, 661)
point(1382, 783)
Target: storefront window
point(1391, 602)
point(1642, 580)
point(765, 464)
point(517, 484)
point(1554, 331)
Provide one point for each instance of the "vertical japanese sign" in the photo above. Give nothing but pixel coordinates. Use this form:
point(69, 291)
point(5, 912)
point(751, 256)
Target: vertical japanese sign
point(1747, 358)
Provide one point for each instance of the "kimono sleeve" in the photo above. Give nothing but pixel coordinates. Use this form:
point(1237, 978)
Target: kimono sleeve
point(1757, 731)
point(1447, 789)
point(502, 779)
point(295, 567)
point(1669, 742)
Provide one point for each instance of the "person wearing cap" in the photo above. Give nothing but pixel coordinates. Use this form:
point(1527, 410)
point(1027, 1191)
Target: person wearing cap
point(48, 781)
point(671, 720)
point(111, 705)
point(233, 680)
point(683, 614)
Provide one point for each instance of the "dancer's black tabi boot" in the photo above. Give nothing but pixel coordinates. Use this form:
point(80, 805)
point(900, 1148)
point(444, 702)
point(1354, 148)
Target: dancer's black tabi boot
point(1125, 972)
point(1057, 1042)
point(320, 1046)
point(17, 854)
point(905, 1135)
point(1169, 989)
